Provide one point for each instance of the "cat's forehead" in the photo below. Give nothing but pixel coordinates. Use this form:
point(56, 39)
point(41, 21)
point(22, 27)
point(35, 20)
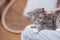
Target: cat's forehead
point(37, 12)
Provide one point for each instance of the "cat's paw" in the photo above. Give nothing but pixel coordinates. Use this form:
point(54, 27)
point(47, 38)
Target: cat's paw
point(35, 30)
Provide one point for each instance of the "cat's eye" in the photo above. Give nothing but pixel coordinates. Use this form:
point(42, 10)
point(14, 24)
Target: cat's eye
point(37, 12)
point(40, 17)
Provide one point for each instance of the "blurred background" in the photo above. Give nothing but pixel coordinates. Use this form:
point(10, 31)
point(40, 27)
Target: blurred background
point(14, 19)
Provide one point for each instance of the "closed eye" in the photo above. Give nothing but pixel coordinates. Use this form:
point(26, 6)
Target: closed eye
point(40, 17)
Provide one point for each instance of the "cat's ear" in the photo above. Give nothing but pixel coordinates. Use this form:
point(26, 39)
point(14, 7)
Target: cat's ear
point(30, 13)
point(41, 10)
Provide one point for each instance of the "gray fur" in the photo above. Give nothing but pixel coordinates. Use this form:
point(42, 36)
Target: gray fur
point(43, 20)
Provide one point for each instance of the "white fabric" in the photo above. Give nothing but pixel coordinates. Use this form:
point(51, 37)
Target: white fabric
point(29, 34)
point(34, 4)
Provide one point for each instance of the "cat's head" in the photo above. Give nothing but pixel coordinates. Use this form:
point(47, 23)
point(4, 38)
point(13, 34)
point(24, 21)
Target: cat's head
point(37, 14)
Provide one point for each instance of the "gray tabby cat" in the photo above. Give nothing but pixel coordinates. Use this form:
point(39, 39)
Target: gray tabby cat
point(43, 20)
